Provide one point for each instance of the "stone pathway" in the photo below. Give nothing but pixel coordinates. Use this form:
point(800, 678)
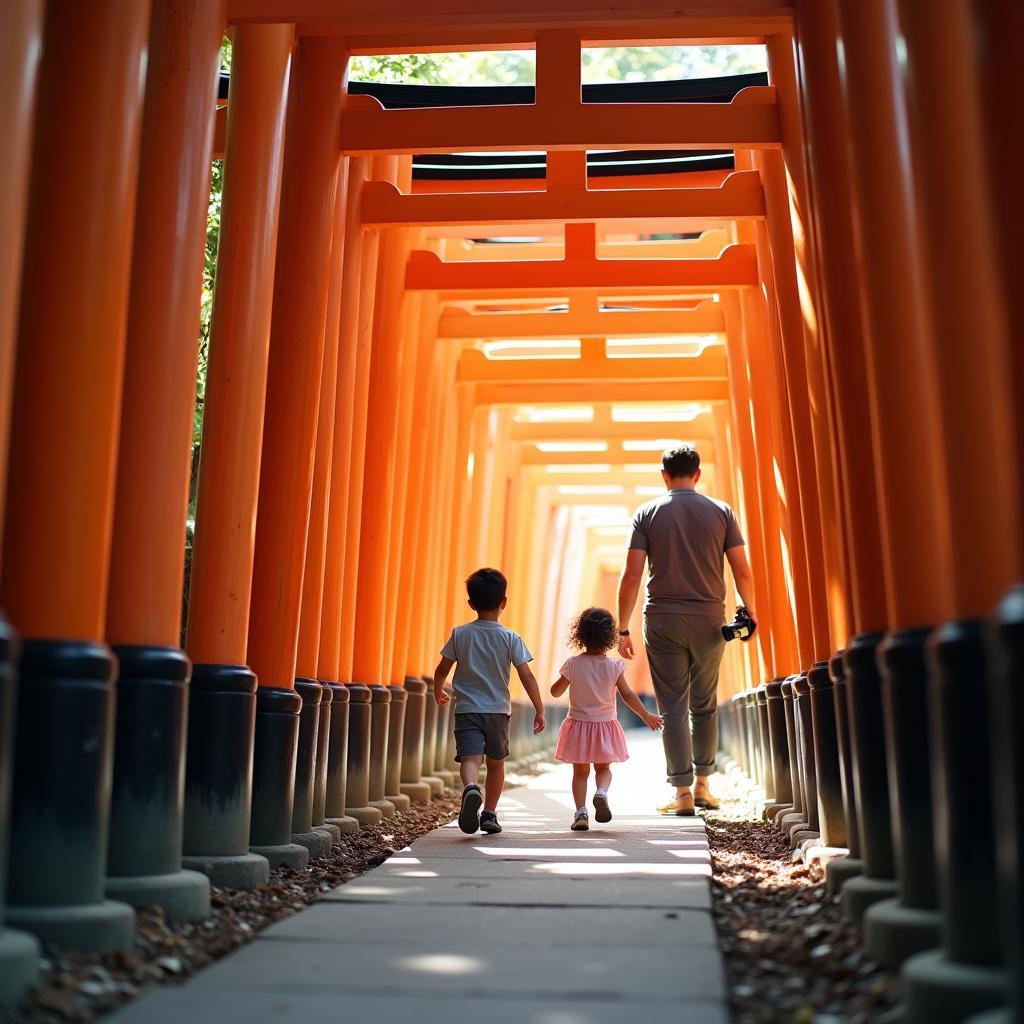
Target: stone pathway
point(537, 925)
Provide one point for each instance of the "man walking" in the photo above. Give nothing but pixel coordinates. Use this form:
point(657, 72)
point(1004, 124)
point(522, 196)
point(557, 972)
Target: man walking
point(685, 537)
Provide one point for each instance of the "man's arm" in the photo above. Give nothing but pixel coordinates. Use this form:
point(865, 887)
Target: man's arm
point(629, 588)
point(737, 557)
point(529, 681)
point(444, 666)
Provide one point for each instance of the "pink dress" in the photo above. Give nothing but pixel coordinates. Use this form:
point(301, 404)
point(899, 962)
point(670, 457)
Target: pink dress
point(592, 734)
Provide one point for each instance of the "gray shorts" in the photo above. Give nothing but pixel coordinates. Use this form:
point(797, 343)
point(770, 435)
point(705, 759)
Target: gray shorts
point(477, 733)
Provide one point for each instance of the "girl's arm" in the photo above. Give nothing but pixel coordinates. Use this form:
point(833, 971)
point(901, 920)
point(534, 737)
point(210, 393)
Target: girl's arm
point(559, 687)
point(633, 702)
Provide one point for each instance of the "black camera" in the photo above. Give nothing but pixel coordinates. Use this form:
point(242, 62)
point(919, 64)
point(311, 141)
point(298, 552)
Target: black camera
point(741, 626)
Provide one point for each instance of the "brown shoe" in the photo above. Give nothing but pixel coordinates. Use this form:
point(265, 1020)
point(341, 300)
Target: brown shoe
point(704, 798)
point(681, 807)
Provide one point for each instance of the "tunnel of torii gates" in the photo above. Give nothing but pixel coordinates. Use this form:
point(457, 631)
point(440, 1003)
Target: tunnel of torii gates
point(421, 363)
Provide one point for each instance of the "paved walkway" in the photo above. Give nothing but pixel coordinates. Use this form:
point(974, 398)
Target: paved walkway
point(537, 925)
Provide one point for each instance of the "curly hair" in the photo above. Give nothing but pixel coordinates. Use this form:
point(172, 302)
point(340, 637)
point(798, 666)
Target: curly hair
point(594, 629)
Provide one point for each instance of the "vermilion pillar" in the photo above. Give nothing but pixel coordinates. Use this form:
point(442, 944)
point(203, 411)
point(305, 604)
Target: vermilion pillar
point(902, 392)
point(975, 430)
point(21, 36)
point(154, 464)
point(60, 496)
point(309, 178)
point(218, 775)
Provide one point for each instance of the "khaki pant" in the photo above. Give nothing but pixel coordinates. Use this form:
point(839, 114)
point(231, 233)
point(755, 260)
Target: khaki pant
point(685, 652)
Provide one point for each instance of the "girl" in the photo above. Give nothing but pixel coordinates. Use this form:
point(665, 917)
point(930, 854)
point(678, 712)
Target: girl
point(591, 735)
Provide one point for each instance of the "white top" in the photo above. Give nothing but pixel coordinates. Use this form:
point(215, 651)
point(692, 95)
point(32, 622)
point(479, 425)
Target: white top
point(592, 679)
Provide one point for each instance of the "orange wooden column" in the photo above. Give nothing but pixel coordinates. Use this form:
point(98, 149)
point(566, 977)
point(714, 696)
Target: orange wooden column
point(827, 143)
point(362, 314)
point(749, 503)
point(461, 490)
point(21, 34)
point(309, 179)
point(154, 463)
point(218, 773)
point(63, 445)
point(902, 391)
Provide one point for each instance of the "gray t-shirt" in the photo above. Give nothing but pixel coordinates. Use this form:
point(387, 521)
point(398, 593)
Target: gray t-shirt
point(685, 535)
point(484, 652)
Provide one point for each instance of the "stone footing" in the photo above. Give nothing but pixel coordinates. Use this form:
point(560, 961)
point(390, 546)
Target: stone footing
point(345, 825)
point(399, 801)
point(284, 855)
point(839, 871)
point(938, 991)
point(88, 928)
point(894, 932)
point(183, 895)
point(861, 892)
point(417, 792)
point(365, 815)
point(317, 843)
point(19, 964)
point(386, 807)
point(238, 871)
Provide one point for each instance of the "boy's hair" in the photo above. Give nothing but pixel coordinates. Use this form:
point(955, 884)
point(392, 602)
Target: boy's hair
point(593, 630)
point(681, 462)
point(486, 589)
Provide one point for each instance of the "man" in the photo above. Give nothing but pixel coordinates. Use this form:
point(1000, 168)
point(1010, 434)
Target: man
point(684, 536)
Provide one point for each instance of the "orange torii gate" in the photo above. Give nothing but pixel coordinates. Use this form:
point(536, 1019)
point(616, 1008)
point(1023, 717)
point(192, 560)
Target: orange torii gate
point(361, 451)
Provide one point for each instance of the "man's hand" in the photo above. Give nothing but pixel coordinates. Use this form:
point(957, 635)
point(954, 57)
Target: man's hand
point(626, 647)
point(441, 695)
point(539, 723)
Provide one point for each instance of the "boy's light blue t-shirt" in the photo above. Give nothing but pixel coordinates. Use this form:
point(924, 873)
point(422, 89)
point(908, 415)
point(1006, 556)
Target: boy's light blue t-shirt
point(484, 652)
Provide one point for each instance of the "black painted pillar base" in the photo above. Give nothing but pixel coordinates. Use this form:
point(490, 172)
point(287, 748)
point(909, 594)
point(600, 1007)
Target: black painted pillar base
point(842, 869)
point(765, 743)
point(357, 789)
point(380, 724)
point(1006, 704)
point(898, 928)
point(419, 792)
point(275, 749)
point(336, 776)
point(60, 798)
point(218, 777)
point(785, 820)
point(778, 749)
point(19, 952)
point(870, 779)
point(310, 692)
point(323, 740)
point(396, 730)
point(967, 974)
point(828, 785)
point(800, 834)
point(146, 804)
point(430, 739)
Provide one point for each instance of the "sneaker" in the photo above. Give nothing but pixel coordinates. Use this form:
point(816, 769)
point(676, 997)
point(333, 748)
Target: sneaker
point(602, 812)
point(469, 814)
point(581, 822)
point(489, 823)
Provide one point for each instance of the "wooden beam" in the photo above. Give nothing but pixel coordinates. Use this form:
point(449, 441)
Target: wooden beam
point(457, 323)
point(736, 267)
point(571, 393)
point(739, 197)
point(616, 455)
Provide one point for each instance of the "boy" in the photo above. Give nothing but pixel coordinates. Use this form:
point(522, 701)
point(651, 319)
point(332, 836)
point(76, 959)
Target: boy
point(482, 652)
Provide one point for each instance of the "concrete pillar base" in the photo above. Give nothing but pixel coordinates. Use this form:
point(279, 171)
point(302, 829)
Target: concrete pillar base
point(772, 809)
point(332, 830)
point(399, 801)
point(861, 892)
point(447, 777)
point(417, 792)
point(938, 991)
point(435, 784)
point(386, 807)
point(823, 855)
point(789, 820)
point(238, 871)
point(284, 855)
point(345, 825)
point(799, 836)
point(893, 932)
point(87, 928)
point(365, 815)
point(839, 871)
point(183, 895)
point(317, 843)
point(19, 964)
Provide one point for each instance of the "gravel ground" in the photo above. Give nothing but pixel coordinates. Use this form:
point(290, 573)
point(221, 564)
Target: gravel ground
point(81, 987)
point(790, 956)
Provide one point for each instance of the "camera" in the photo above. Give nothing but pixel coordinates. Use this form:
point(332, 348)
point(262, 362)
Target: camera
point(741, 626)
